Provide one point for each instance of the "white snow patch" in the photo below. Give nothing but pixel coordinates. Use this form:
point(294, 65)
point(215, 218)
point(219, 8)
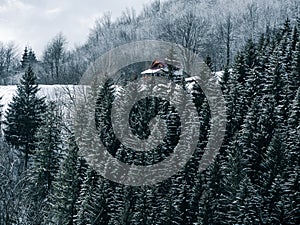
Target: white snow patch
point(150, 71)
point(63, 94)
point(220, 74)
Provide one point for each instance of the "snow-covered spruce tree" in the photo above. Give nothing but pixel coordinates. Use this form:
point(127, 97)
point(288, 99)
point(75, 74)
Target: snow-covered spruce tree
point(248, 202)
point(235, 171)
point(121, 208)
point(292, 168)
point(46, 158)
point(212, 204)
point(91, 204)
point(66, 187)
point(144, 208)
point(224, 83)
point(171, 202)
point(236, 102)
point(28, 58)
point(294, 81)
point(192, 180)
point(256, 135)
point(103, 118)
point(273, 166)
point(253, 79)
point(24, 115)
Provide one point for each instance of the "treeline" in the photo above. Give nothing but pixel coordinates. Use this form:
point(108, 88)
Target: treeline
point(57, 65)
point(215, 29)
point(254, 180)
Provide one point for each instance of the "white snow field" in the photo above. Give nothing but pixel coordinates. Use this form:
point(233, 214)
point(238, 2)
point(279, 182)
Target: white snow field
point(63, 94)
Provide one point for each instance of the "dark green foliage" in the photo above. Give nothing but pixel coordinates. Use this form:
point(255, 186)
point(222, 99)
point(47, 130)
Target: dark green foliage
point(28, 58)
point(24, 115)
point(253, 180)
point(66, 188)
point(103, 120)
point(46, 162)
point(91, 203)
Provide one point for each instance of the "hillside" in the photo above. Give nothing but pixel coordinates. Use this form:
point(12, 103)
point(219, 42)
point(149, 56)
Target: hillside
point(225, 151)
point(216, 30)
point(59, 93)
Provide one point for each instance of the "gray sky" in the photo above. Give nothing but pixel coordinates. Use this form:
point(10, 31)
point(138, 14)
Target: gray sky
point(36, 22)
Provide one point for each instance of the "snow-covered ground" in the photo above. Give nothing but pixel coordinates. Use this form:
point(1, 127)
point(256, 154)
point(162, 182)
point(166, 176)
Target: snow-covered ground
point(64, 94)
point(60, 93)
point(219, 74)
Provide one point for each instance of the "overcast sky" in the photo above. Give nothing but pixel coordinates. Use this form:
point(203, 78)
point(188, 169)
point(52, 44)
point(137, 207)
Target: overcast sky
point(35, 22)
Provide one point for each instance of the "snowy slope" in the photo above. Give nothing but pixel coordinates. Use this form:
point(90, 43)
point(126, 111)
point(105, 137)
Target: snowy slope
point(65, 93)
point(220, 74)
point(60, 93)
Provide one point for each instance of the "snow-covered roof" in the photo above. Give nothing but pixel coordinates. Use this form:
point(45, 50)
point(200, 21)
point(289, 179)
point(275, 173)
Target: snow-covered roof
point(159, 65)
point(151, 71)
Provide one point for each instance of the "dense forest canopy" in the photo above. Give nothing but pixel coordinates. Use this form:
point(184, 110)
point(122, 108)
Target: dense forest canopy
point(253, 180)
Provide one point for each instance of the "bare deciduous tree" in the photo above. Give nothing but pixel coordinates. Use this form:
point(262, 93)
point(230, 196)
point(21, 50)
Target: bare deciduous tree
point(189, 31)
point(8, 58)
point(54, 57)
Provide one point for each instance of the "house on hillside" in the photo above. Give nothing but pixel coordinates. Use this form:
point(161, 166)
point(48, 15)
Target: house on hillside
point(168, 68)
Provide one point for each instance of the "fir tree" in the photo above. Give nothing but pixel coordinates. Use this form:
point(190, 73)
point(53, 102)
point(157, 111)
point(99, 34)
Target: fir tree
point(103, 118)
point(45, 168)
point(210, 204)
point(24, 115)
point(25, 58)
point(28, 58)
point(292, 168)
point(294, 78)
point(91, 202)
point(66, 188)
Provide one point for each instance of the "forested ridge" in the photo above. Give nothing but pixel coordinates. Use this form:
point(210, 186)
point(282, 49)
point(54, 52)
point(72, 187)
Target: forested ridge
point(215, 29)
point(253, 180)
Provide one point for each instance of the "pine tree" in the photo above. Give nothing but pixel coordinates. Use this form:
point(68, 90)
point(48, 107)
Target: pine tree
point(28, 58)
point(144, 206)
point(294, 78)
point(210, 205)
point(25, 58)
point(46, 161)
point(24, 115)
point(66, 188)
point(103, 118)
point(292, 168)
point(91, 203)
point(235, 172)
